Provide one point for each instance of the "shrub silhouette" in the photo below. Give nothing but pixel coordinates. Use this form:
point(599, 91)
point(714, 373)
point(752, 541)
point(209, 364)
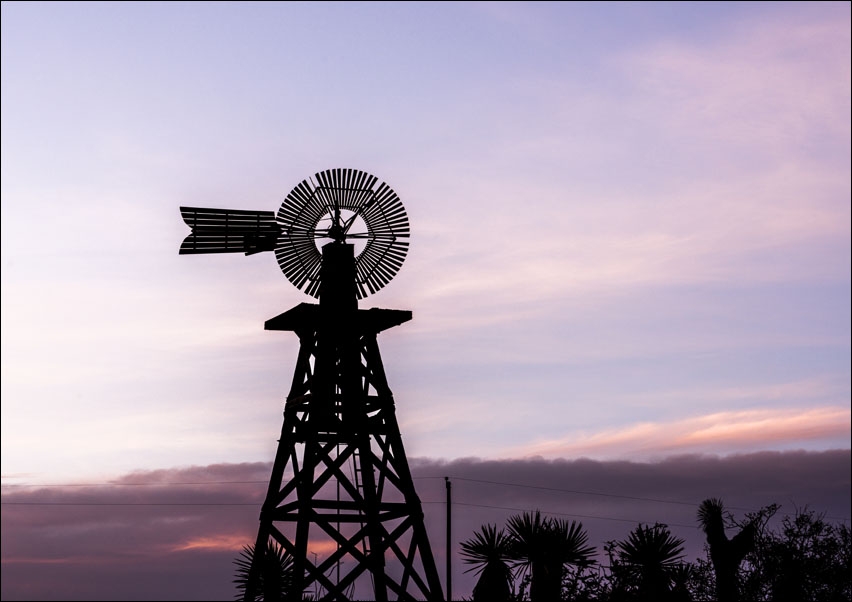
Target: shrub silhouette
point(276, 573)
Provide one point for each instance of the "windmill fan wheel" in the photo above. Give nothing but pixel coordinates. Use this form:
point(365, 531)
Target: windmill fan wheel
point(342, 206)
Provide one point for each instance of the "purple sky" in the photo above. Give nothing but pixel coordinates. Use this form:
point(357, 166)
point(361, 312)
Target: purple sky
point(158, 551)
point(630, 232)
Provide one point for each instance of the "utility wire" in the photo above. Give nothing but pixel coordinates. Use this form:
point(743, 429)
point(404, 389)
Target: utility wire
point(612, 495)
point(579, 492)
point(255, 504)
point(455, 478)
point(588, 516)
point(216, 504)
point(153, 483)
point(576, 491)
point(626, 520)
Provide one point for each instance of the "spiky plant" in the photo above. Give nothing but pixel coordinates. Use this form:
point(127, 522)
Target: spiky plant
point(542, 547)
point(275, 577)
point(651, 554)
point(681, 576)
point(489, 551)
point(569, 542)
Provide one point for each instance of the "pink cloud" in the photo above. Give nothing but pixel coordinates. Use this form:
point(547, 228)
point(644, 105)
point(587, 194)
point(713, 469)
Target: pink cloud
point(215, 542)
point(720, 432)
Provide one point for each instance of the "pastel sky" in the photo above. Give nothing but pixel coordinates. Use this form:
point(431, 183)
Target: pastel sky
point(630, 224)
point(630, 228)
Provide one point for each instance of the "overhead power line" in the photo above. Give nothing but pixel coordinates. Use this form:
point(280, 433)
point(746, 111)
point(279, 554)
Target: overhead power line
point(455, 478)
point(579, 492)
point(152, 483)
point(202, 504)
point(255, 504)
point(601, 494)
point(587, 516)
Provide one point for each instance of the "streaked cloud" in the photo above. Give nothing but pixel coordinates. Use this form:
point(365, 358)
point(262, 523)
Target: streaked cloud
point(217, 542)
point(711, 433)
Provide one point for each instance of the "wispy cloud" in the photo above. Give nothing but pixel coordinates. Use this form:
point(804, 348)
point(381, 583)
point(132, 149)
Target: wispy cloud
point(216, 542)
point(719, 432)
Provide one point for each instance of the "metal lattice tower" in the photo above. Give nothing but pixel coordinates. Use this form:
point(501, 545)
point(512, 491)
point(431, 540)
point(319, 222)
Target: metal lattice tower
point(340, 481)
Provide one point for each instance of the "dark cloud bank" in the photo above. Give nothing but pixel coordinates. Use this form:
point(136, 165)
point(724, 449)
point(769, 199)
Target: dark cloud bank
point(159, 545)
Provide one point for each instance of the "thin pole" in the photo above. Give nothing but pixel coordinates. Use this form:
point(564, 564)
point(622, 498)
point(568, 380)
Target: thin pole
point(449, 540)
point(316, 591)
point(337, 510)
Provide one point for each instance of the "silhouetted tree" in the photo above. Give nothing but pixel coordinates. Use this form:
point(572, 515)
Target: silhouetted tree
point(276, 573)
point(725, 554)
point(586, 583)
point(542, 547)
point(490, 551)
point(649, 559)
point(702, 580)
point(808, 559)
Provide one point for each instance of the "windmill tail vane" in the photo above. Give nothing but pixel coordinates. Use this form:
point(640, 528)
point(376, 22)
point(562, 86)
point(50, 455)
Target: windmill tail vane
point(229, 231)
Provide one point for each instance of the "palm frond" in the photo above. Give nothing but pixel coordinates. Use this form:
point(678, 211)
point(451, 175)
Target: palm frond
point(528, 532)
point(651, 547)
point(569, 542)
point(487, 546)
point(489, 550)
point(274, 578)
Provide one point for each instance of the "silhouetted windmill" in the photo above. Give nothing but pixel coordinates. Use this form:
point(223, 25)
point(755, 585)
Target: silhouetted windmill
point(340, 479)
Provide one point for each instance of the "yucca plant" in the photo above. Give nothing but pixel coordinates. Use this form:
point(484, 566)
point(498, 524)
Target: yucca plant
point(276, 573)
point(542, 547)
point(725, 554)
point(489, 551)
point(651, 554)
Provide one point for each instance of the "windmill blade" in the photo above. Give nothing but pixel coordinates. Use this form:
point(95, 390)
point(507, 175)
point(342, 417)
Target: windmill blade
point(304, 219)
point(228, 231)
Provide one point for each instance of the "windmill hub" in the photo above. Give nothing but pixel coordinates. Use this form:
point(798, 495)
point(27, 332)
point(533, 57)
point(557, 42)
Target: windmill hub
point(336, 233)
